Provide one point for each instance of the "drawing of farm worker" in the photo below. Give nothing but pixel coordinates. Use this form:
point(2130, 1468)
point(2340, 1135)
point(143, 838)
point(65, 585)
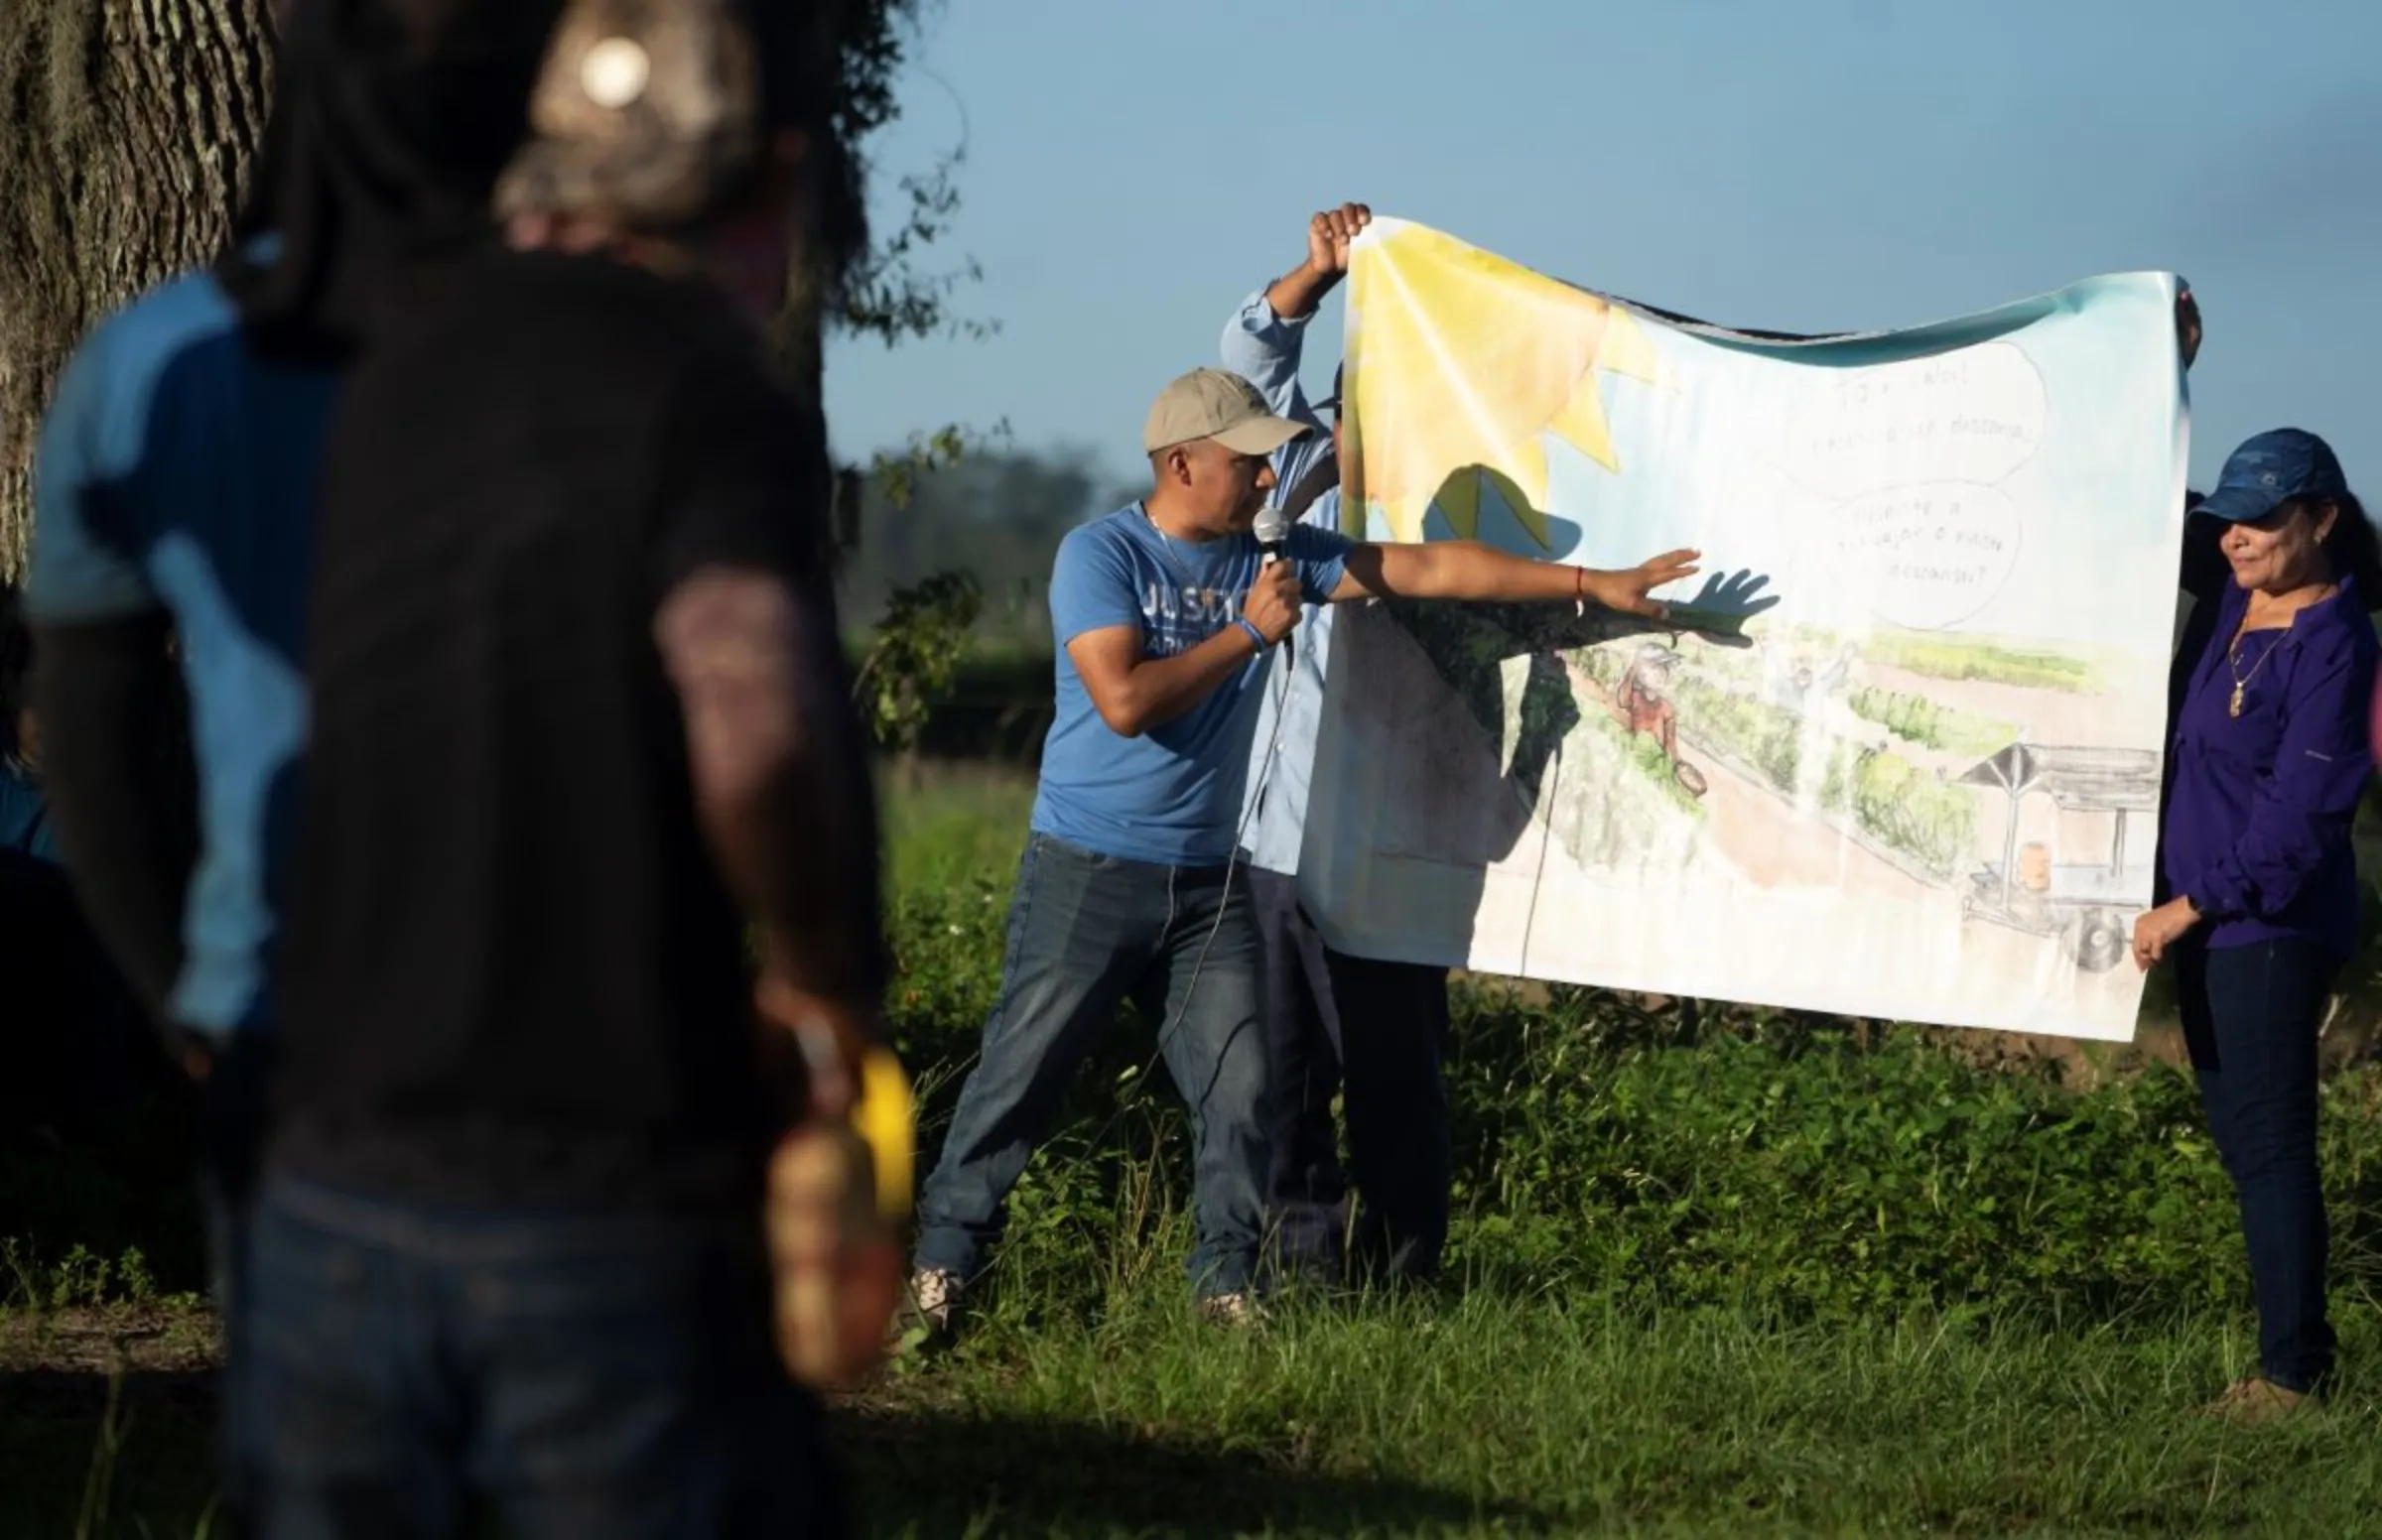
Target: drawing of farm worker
point(2257, 884)
point(1839, 673)
point(1640, 702)
point(1787, 676)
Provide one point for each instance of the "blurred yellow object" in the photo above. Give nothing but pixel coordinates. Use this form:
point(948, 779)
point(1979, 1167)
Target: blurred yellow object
point(837, 1192)
point(887, 1122)
point(835, 1258)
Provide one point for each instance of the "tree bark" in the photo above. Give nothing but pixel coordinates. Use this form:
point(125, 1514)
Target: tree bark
point(126, 130)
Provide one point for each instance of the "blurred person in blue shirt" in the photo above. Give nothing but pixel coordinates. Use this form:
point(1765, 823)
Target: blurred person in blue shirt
point(604, 1339)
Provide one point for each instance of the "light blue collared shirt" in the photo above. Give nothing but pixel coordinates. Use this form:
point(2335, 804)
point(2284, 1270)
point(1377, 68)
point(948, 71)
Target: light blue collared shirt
point(1263, 348)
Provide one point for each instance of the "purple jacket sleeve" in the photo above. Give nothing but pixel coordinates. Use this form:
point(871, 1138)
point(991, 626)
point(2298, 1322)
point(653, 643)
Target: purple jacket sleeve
point(2304, 807)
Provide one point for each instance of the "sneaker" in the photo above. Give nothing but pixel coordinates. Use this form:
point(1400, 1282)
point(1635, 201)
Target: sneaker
point(1238, 1309)
point(2257, 1401)
point(931, 1308)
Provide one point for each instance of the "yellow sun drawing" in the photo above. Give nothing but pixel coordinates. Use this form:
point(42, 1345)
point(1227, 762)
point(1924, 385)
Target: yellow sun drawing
point(1458, 362)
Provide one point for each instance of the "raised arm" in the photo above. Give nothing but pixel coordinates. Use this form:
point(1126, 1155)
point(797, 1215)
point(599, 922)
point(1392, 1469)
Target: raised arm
point(1469, 570)
point(1295, 294)
point(1265, 338)
point(1263, 346)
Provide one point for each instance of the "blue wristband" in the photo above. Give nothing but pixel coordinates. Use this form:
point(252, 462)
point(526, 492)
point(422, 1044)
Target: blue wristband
point(1255, 634)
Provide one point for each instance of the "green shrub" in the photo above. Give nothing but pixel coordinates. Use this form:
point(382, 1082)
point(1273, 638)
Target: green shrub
point(1766, 1159)
point(1803, 1172)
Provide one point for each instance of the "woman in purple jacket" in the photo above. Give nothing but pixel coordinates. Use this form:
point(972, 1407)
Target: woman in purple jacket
point(2258, 890)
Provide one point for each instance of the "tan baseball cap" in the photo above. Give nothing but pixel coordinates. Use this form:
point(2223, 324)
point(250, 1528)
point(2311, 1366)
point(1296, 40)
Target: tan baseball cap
point(1219, 405)
point(648, 112)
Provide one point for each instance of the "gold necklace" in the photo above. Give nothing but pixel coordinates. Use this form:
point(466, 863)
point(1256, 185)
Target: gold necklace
point(2241, 681)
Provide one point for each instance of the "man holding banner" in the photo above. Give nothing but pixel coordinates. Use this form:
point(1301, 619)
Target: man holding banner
point(1131, 885)
point(1373, 1031)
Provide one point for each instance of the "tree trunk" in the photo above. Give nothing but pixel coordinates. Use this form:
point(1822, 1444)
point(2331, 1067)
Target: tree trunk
point(126, 128)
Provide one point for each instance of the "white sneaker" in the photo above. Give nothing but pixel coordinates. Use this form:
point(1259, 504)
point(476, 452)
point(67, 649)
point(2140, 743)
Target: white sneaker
point(933, 1299)
point(1238, 1309)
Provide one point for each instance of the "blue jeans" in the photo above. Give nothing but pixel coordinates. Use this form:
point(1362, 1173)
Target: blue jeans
point(590, 1375)
point(2250, 1019)
point(1086, 933)
point(1375, 1034)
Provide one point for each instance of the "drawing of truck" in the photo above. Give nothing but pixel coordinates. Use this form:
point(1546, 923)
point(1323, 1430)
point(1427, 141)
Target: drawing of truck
point(2085, 906)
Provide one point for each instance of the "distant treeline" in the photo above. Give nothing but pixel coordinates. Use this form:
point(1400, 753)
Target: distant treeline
point(997, 514)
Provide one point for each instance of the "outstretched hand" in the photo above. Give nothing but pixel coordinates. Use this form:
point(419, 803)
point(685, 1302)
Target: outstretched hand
point(1626, 593)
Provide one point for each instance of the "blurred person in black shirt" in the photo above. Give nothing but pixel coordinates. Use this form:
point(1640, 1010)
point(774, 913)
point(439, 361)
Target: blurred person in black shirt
point(578, 713)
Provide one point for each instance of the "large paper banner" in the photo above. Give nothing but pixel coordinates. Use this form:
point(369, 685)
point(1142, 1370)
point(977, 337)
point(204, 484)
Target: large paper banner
point(1899, 756)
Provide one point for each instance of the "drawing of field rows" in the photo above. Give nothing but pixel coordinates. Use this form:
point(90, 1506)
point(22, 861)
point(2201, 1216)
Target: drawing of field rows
point(1791, 757)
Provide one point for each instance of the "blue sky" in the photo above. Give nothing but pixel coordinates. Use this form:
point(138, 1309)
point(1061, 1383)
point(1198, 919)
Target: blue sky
point(1132, 169)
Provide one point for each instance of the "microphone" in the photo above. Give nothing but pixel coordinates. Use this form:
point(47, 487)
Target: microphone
point(1273, 530)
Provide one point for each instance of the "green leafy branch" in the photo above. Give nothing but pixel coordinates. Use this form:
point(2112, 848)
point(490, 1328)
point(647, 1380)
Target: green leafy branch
point(920, 647)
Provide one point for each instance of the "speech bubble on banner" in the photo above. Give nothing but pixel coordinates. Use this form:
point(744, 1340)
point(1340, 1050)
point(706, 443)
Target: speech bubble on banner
point(1974, 414)
point(1930, 556)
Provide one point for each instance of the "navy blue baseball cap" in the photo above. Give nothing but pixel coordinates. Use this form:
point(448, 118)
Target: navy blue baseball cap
point(2270, 470)
point(1331, 402)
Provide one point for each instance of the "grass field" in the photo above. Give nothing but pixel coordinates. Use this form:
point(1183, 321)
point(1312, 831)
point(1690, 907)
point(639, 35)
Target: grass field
point(1762, 1275)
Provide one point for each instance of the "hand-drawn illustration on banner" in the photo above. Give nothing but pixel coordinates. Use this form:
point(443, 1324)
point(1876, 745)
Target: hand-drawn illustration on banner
point(1899, 756)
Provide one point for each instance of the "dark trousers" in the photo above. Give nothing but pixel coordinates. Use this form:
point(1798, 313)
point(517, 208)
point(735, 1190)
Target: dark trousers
point(78, 1050)
point(2250, 1019)
point(1375, 1034)
point(1088, 932)
point(588, 1374)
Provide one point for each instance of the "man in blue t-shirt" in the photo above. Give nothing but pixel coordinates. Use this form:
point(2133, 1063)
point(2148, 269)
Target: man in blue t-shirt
point(1165, 614)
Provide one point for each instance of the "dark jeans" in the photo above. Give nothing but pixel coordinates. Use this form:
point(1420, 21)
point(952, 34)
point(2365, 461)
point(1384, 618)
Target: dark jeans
point(1374, 1032)
point(2250, 1018)
point(590, 1375)
point(1086, 933)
